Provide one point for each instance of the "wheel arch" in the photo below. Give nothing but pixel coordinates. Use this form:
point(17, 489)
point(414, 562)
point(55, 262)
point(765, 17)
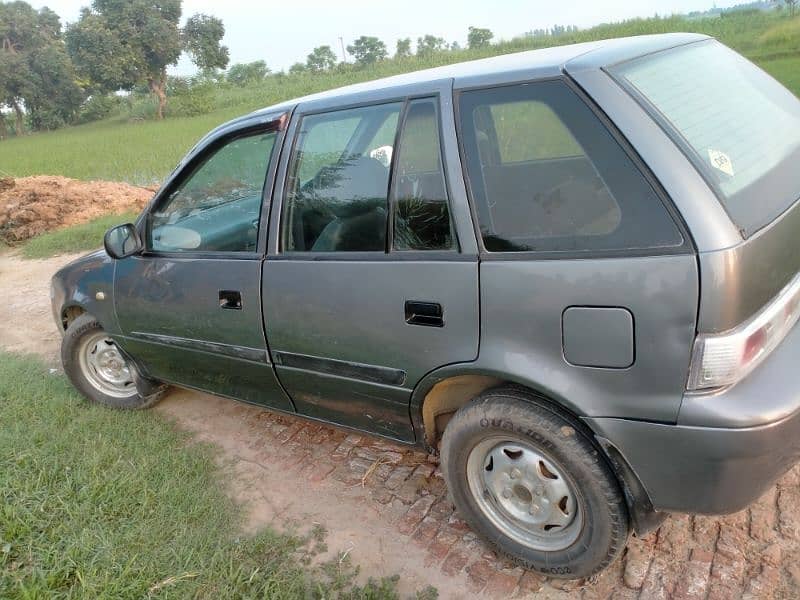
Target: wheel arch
point(446, 389)
point(70, 312)
point(443, 391)
point(85, 286)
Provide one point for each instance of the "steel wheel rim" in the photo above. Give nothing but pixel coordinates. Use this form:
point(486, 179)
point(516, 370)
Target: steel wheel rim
point(104, 367)
point(524, 493)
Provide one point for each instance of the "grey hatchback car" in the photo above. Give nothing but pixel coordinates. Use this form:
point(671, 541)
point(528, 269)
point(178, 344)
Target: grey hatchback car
point(572, 272)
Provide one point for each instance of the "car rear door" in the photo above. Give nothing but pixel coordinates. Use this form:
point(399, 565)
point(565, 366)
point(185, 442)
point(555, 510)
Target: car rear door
point(589, 282)
point(371, 279)
point(189, 306)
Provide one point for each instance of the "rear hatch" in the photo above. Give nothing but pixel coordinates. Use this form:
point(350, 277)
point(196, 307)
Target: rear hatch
point(741, 130)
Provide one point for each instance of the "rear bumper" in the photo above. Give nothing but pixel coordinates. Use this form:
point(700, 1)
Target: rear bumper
point(727, 449)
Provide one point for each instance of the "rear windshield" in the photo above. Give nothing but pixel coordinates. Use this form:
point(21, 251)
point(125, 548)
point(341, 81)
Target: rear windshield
point(740, 127)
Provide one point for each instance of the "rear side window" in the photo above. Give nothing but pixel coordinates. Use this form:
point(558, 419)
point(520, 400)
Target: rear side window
point(421, 214)
point(739, 126)
point(547, 176)
point(337, 195)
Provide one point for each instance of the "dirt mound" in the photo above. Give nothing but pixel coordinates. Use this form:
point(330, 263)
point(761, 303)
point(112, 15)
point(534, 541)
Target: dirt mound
point(30, 206)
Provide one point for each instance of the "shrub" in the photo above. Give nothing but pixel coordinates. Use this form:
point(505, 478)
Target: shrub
point(97, 107)
point(198, 100)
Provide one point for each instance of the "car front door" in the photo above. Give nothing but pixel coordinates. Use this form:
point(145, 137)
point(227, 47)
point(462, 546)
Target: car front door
point(189, 306)
point(372, 276)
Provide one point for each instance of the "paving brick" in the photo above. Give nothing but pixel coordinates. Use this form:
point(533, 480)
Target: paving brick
point(320, 471)
point(346, 445)
point(426, 531)
point(478, 574)
point(501, 584)
point(456, 560)
point(408, 523)
point(530, 583)
point(692, 585)
point(637, 562)
point(398, 476)
point(442, 543)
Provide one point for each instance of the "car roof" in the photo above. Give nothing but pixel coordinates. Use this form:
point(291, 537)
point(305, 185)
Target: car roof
point(518, 66)
point(553, 60)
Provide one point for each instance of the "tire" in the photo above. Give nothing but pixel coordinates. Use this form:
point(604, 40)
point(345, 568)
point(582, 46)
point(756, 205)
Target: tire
point(532, 484)
point(120, 385)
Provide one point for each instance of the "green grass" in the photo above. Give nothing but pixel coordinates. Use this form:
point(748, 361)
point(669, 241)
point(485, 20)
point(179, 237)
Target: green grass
point(144, 152)
point(96, 503)
point(76, 238)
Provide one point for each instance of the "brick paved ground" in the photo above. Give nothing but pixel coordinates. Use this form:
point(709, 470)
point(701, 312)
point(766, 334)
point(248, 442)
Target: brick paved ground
point(752, 554)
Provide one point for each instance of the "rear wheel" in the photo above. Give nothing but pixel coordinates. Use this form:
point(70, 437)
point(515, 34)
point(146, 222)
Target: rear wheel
point(533, 485)
point(101, 372)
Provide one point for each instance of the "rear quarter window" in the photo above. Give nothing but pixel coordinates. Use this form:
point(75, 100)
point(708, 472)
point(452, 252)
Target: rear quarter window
point(547, 176)
point(739, 126)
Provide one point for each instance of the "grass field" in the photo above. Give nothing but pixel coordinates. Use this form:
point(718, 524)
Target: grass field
point(76, 238)
point(145, 152)
point(96, 503)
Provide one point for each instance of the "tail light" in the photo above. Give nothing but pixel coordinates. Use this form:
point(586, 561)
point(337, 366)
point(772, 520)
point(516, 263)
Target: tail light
point(721, 360)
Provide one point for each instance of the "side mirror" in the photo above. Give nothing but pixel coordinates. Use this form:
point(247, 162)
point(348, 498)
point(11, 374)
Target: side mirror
point(122, 241)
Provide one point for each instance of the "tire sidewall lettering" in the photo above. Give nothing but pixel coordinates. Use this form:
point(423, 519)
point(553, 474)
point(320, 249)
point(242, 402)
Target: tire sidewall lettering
point(507, 425)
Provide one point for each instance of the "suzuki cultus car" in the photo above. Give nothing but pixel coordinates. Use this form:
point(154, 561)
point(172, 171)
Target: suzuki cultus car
point(573, 272)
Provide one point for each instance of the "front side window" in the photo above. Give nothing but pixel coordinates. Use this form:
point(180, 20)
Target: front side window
point(421, 214)
point(217, 207)
point(338, 186)
point(547, 176)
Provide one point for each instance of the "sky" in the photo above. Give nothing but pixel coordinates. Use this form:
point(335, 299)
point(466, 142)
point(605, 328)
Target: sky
point(284, 33)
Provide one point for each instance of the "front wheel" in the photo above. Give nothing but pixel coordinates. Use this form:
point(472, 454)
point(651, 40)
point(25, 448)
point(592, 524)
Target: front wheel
point(99, 370)
point(533, 485)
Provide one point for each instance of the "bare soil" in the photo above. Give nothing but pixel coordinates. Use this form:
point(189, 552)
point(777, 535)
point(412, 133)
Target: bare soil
point(30, 206)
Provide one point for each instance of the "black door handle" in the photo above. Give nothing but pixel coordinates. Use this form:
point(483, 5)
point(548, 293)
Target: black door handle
point(230, 299)
point(427, 314)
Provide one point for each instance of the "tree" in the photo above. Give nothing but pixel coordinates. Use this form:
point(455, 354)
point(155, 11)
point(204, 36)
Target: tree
point(36, 75)
point(791, 4)
point(321, 58)
point(202, 35)
point(242, 74)
point(429, 45)
point(367, 50)
point(454, 46)
point(479, 37)
point(403, 48)
point(297, 68)
point(120, 44)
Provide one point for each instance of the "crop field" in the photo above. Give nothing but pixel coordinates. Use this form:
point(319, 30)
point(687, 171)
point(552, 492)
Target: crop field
point(144, 152)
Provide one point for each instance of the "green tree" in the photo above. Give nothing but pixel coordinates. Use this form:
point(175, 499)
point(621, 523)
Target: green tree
point(429, 45)
point(321, 58)
point(36, 75)
point(298, 67)
point(479, 37)
point(367, 50)
point(121, 44)
point(202, 35)
point(241, 74)
point(403, 48)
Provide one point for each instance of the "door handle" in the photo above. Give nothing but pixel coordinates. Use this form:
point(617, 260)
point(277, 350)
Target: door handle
point(230, 299)
point(427, 314)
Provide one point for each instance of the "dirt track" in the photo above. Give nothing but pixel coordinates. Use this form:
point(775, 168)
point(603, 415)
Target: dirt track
point(386, 505)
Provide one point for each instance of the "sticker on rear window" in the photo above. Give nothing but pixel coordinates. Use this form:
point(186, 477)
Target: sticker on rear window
point(721, 161)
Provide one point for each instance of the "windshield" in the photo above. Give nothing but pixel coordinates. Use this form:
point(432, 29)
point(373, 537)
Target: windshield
point(740, 127)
